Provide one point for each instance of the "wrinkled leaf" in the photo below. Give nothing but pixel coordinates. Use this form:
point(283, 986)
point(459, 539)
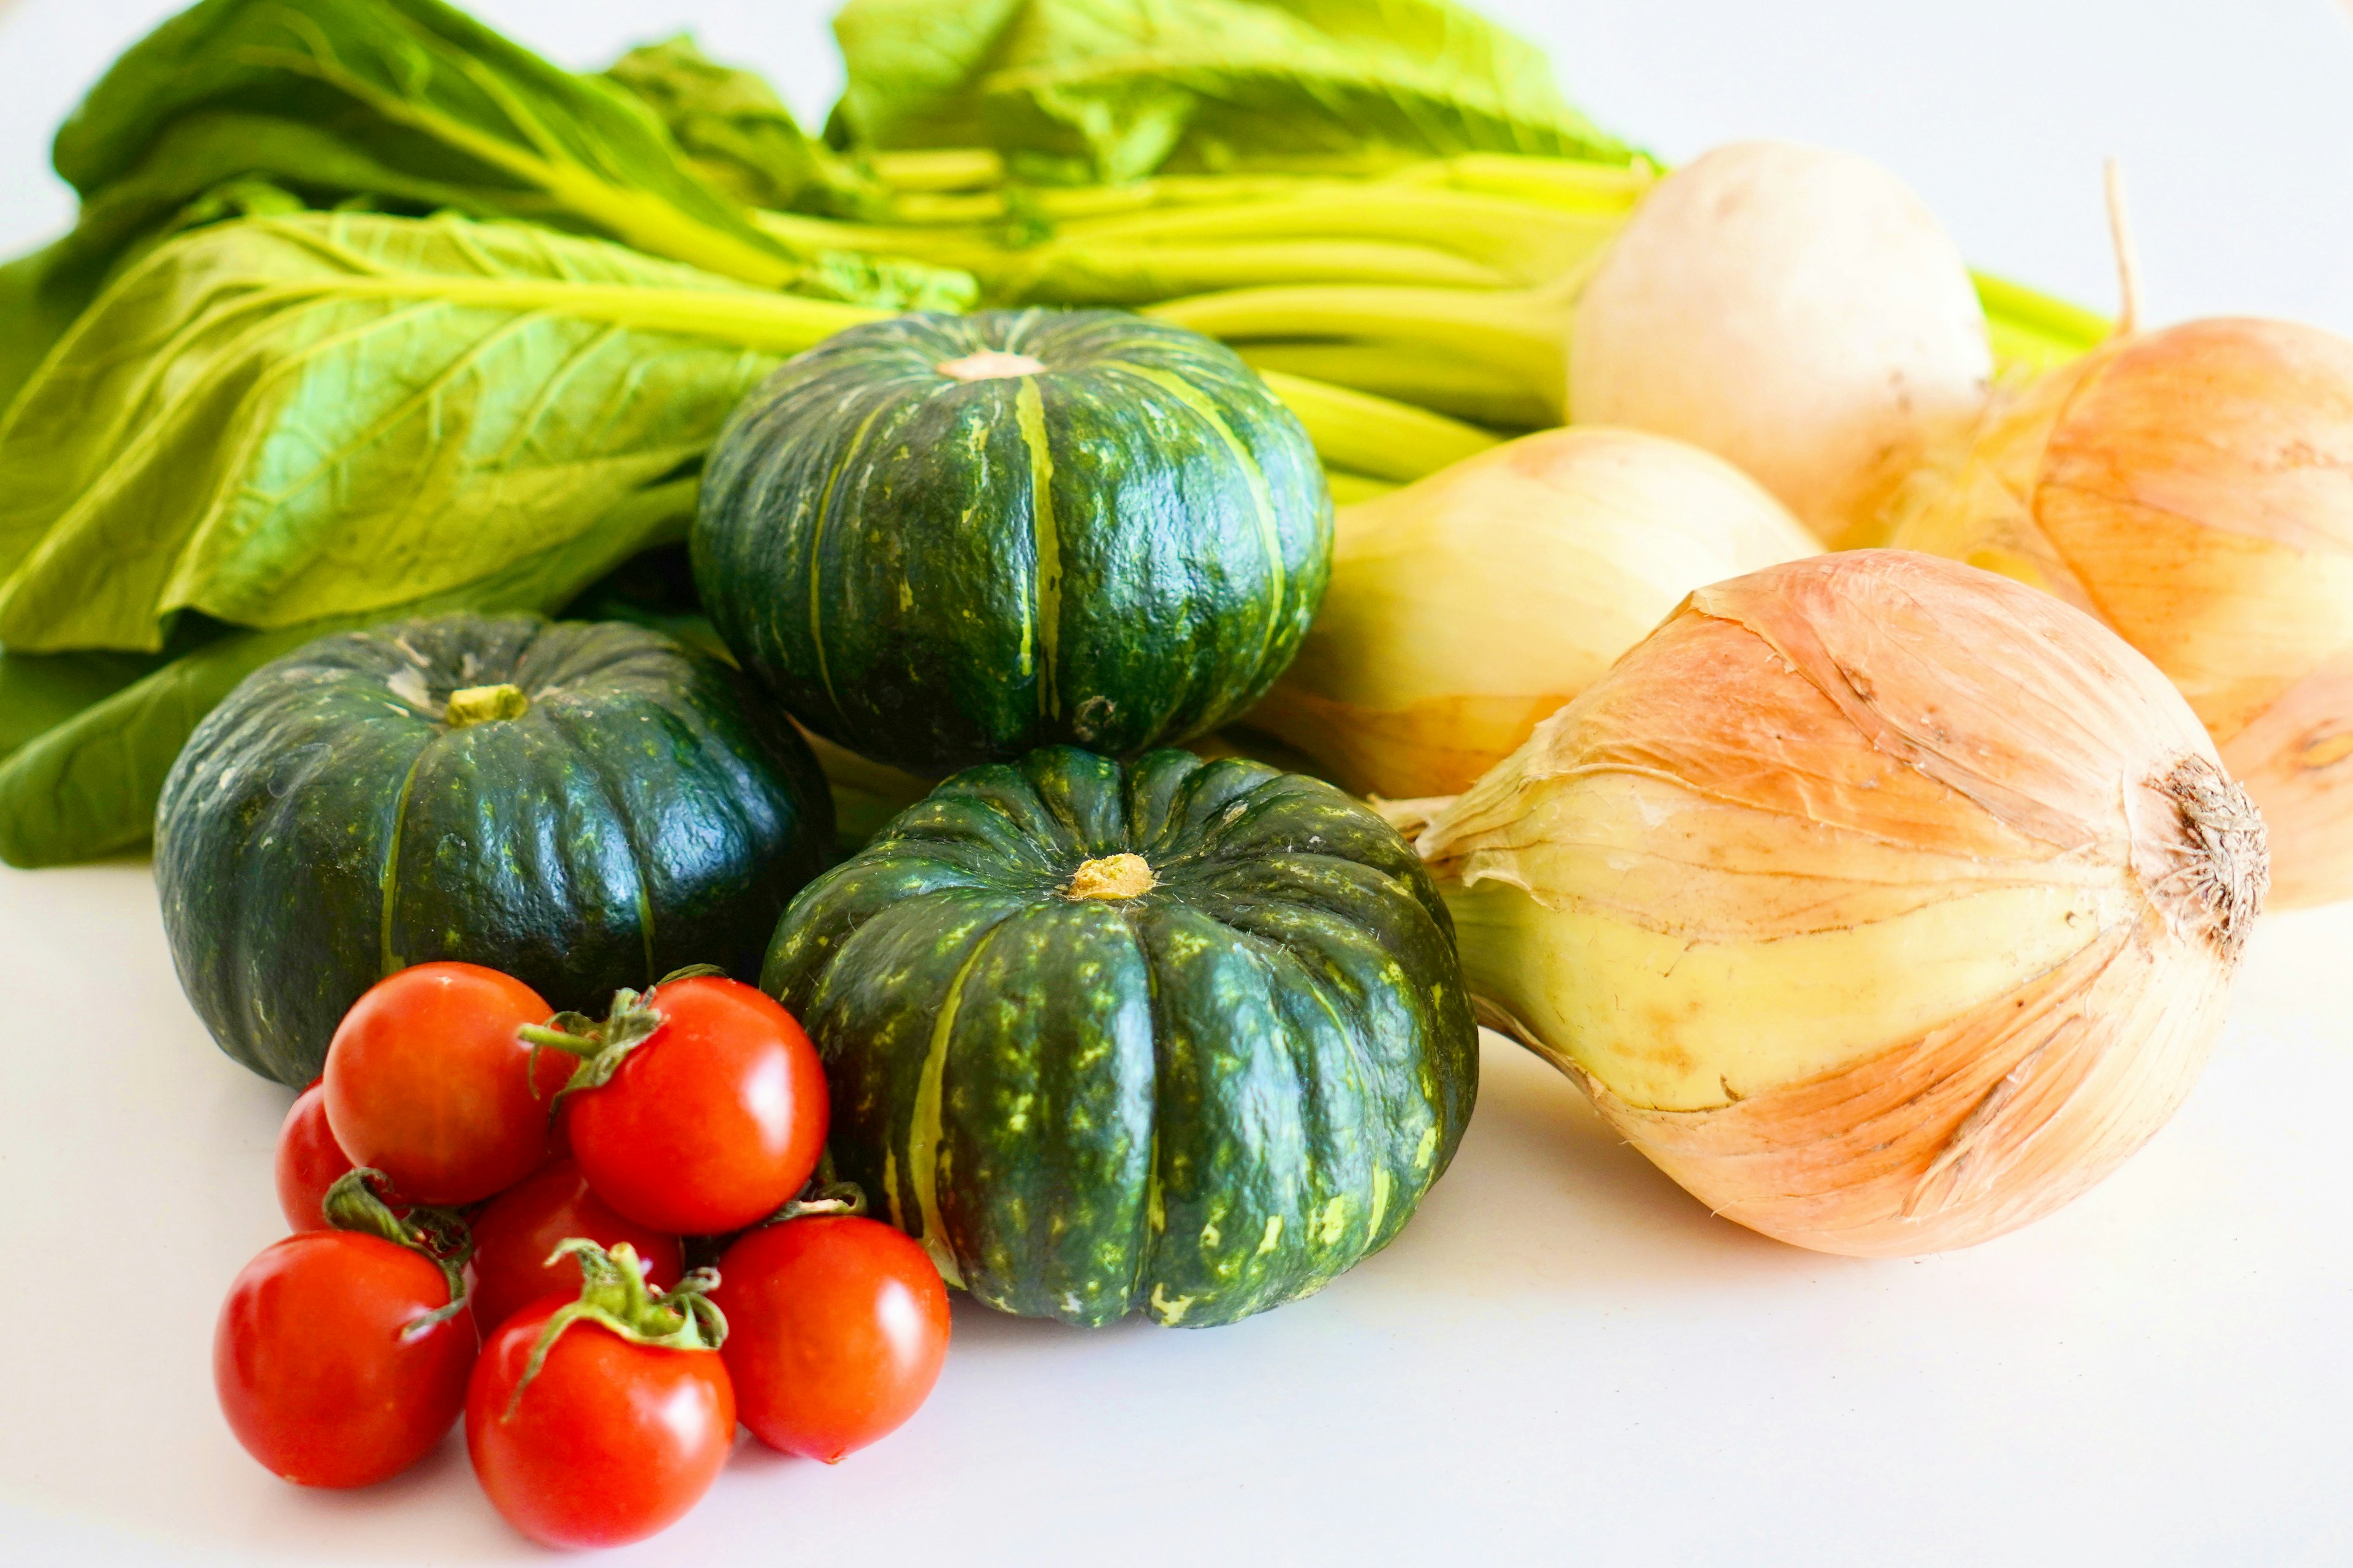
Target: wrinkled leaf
point(200, 167)
point(735, 131)
point(39, 297)
point(277, 420)
point(425, 99)
point(42, 293)
point(412, 106)
point(1115, 89)
point(87, 786)
point(915, 70)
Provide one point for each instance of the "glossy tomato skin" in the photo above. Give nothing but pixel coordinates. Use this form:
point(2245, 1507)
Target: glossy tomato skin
point(311, 1367)
point(514, 1236)
point(427, 1082)
point(309, 1159)
point(836, 1330)
point(610, 1443)
point(713, 1122)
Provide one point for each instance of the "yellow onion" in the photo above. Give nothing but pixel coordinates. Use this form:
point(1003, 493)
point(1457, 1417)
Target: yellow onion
point(2193, 487)
point(1465, 607)
point(1883, 903)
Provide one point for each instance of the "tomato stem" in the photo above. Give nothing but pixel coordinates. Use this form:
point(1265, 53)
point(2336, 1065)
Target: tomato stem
point(602, 1044)
point(614, 1295)
point(356, 1202)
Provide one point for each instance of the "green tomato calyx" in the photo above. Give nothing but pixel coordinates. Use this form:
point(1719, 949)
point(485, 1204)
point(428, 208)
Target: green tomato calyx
point(602, 1044)
point(441, 1237)
point(614, 1295)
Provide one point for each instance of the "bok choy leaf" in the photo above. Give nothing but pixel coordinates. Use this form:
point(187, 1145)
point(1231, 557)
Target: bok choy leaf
point(39, 691)
point(281, 419)
point(423, 91)
point(409, 105)
point(1115, 89)
point(737, 135)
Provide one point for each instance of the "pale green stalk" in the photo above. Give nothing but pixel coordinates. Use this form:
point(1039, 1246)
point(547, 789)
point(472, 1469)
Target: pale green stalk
point(1519, 334)
point(1419, 373)
point(1348, 489)
point(1375, 437)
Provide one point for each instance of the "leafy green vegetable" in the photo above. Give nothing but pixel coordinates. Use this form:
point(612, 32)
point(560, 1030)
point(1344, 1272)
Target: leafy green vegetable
point(42, 293)
point(1303, 231)
point(424, 92)
point(1113, 89)
point(1372, 436)
point(39, 300)
point(278, 420)
point(412, 107)
point(737, 133)
point(89, 786)
point(1133, 269)
point(39, 691)
point(915, 70)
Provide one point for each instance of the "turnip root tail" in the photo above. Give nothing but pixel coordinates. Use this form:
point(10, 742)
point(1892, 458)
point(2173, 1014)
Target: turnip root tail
point(2120, 236)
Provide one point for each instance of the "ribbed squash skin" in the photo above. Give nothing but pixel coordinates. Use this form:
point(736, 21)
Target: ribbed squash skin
point(1197, 1103)
point(1121, 550)
point(324, 827)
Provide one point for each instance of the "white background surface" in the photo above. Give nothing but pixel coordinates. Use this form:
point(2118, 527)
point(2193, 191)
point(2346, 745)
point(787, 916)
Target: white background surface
point(1564, 1359)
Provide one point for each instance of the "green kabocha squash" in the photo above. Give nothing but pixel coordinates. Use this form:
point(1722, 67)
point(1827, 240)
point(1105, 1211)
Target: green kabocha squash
point(583, 805)
point(945, 540)
point(1178, 1038)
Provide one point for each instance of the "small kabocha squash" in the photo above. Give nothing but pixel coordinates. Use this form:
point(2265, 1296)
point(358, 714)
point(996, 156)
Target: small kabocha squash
point(583, 805)
point(1179, 1037)
point(945, 540)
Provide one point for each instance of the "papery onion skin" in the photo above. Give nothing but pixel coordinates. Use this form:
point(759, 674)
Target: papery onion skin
point(2193, 487)
point(1882, 902)
point(1468, 606)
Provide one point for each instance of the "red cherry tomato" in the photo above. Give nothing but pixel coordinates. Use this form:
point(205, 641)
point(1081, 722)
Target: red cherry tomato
point(427, 1081)
point(315, 1366)
point(309, 1159)
point(836, 1330)
point(513, 1237)
point(714, 1120)
point(609, 1443)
